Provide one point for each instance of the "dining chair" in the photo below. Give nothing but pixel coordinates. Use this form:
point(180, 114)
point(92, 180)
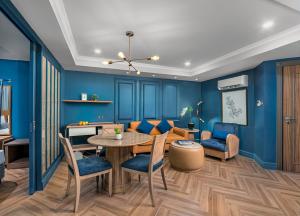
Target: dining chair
point(148, 165)
point(83, 169)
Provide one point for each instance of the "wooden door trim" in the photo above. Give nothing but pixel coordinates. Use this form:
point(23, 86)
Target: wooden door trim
point(279, 97)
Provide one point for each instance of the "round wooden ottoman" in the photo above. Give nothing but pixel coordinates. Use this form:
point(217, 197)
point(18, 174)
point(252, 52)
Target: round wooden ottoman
point(186, 158)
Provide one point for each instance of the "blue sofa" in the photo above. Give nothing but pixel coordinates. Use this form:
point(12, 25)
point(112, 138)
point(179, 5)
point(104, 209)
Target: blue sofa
point(222, 142)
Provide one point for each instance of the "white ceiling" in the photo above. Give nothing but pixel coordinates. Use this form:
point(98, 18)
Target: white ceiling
point(13, 44)
point(218, 37)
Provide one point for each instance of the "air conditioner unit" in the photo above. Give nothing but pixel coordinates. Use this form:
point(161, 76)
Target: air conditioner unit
point(232, 83)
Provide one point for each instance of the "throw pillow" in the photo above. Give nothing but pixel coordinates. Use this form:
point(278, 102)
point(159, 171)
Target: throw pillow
point(163, 126)
point(145, 127)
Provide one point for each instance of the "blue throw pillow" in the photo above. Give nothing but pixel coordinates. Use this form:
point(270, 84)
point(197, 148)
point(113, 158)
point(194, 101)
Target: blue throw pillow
point(145, 127)
point(163, 126)
point(219, 134)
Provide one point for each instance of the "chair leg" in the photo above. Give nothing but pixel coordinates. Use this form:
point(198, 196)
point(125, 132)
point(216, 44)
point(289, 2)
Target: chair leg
point(123, 180)
point(110, 184)
point(97, 181)
point(102, 181)
point(68, 183)
point(162, 171)
point(77, 182)
point(151, 189)
point(139, 178)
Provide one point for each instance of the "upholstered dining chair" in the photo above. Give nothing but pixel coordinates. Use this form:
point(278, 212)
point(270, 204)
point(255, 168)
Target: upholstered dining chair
point(148, 165)
point(83, 169)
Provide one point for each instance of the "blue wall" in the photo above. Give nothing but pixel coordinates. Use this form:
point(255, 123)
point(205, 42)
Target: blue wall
point(18, 72)
point(167, 97)
point(258, 138)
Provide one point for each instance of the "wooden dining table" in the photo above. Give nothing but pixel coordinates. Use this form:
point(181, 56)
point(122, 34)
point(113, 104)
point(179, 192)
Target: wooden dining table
point(118, 151)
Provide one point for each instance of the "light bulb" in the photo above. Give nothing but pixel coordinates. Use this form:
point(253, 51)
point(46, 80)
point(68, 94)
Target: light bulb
point(155, 58)
point(121, 55)
point(105, 62)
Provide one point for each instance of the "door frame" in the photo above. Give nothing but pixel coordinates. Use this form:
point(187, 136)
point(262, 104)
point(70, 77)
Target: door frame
point(279, 91)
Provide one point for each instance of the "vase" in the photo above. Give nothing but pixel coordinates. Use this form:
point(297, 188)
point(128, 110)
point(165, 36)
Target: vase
point(119, 136)
point(191, 126)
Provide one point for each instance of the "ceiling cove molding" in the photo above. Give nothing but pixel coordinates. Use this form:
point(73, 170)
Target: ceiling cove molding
point(293, 4)
point(63, 21)
point(283, 38)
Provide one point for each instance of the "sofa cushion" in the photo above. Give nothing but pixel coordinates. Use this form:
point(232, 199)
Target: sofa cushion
point(140, 163)
point(145, 127)
point(215, 144)
point(134, 125)
point(173, 137)
point(163, 126)
point(220, 134)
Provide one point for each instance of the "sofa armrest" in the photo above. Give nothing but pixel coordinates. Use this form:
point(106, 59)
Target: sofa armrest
point(232, 142)
point(131, 130)
point(181, 132)
point(205, 135)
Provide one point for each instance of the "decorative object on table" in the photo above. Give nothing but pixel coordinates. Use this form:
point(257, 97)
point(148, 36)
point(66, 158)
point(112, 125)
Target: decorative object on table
point(94, 97)
point(222, 142)
point(185, 142)
point(129, 59)
point(118, 133)
point(82, 123)
point(175, 133)
point(188, 111)
point(234, 107)
point(84, 96)
point(186, 158)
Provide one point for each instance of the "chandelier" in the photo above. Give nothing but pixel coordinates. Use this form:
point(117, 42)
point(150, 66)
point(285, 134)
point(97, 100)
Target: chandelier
point(129, 59)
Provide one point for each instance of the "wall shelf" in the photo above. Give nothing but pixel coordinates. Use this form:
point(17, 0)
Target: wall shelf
point(88, 101)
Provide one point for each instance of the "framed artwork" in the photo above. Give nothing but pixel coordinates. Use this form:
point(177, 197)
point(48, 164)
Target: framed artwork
point(234, 107)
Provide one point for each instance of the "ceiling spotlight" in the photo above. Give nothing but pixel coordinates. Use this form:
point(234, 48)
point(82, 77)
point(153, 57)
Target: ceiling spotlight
point(97, 51)
point(153, 75)
point(187, 63)
point(196, 79)
point(121, 55)
point(175, 77)
point(268, 24)
point(138, 72)
point(155, 58)
point(127, 72)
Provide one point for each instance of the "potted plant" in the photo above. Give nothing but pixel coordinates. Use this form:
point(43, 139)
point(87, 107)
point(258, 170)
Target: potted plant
point(118, 134)
point(188, 111)
point(94, 97)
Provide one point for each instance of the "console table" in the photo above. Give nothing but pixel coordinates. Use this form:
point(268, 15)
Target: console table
point(16, 153)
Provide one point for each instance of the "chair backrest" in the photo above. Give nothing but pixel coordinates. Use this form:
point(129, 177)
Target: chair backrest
point(70, 158)
point(158, 149)
point(110, 129)
point(227, 127)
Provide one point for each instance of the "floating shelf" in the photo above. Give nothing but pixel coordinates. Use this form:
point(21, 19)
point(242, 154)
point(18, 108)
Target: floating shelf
point(87, 101)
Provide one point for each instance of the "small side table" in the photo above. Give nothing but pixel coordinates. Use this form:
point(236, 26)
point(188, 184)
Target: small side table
point(192, 133)
point(186, 158)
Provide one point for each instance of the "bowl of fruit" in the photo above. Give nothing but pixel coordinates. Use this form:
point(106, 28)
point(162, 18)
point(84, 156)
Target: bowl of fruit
point(82, 123)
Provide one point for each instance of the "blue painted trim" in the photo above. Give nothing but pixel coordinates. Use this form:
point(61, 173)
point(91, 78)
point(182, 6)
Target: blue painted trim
point(51, 170)
point(264, 164)
point(157, 95)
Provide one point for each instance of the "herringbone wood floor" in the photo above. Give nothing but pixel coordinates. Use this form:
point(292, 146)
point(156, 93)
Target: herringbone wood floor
point(237, 187)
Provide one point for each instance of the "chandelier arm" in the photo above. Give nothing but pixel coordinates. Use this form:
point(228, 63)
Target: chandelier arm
point(112, 62)
point(141, 59)
point(133, 67)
